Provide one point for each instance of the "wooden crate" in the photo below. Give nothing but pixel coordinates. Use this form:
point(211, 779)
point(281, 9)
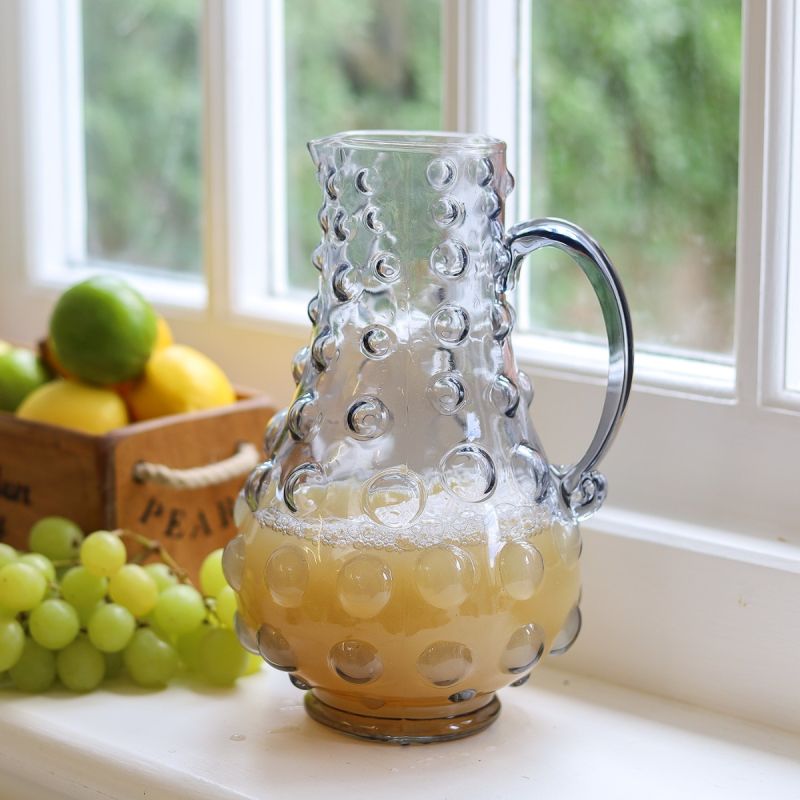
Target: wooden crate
point(47, 469)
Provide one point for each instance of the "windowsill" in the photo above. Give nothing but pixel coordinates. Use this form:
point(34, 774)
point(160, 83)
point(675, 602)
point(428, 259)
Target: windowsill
point(561, 736)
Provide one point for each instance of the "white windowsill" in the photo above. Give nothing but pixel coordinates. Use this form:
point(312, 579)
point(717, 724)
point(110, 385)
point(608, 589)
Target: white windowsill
point(562, 736)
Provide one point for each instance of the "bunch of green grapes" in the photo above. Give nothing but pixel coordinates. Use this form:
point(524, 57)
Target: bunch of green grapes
point(76, 609)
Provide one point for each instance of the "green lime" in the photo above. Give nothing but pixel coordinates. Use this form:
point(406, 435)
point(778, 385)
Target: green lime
point(21, 372)
point(103, 330)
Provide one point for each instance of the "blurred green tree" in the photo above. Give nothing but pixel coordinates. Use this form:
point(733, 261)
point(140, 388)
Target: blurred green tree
point(635, 136)
point(142, 115)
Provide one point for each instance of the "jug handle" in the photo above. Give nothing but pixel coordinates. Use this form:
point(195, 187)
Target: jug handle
point(582, 489)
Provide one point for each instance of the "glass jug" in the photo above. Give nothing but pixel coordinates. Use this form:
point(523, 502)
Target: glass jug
point(406, 550)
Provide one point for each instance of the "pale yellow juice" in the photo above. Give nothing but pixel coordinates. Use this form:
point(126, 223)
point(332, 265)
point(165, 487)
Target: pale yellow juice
point(403, 626)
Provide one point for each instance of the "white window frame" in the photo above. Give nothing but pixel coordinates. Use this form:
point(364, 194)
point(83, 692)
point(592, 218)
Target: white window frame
point(702, 476)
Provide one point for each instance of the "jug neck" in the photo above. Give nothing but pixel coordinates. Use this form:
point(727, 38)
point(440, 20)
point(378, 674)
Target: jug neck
point(409, 217)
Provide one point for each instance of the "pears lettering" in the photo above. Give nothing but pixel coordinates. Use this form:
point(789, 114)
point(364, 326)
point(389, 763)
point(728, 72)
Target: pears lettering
point(13, 491)
point(178, 522)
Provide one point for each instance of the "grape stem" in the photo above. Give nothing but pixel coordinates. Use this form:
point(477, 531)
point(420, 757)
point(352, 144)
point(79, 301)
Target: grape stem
point(153, 547)
point(211, 608)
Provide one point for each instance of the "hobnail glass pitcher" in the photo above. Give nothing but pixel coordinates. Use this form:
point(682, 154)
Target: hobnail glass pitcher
point(406, 550)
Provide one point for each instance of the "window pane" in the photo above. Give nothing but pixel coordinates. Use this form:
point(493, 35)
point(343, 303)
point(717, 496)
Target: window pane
point(351, 65)
point(635, 137)
point(142, 118)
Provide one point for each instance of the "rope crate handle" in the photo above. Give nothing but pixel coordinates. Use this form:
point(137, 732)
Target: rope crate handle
point(241, 462)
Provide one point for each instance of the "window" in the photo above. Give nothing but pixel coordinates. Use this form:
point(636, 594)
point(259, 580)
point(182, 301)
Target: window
point(166, 138)
point(139, 135)
point(635, 133)
point(782, 295)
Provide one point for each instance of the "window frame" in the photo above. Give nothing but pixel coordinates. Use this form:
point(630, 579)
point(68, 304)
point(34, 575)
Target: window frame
point(703, 469)
point(779, 383)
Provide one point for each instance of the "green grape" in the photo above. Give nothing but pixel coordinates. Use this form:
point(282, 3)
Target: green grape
point(149, 660)
point(212, 578)
point(57, 538)
point(133, 588)
point(35, 670)
point(22, 587)
point(179, 609)
point(226, 606)
point(111, 628)
point(85, 613)
point(253, 664)
point(103, 553)
point(162, 575)
point(12, 641)
point(7, 554)
point(40, 562)
point(150, 621)
point(54, 624)
point(188, 647)
point(222, 659)
point(82, 589)
point(113, 664)
point(81, 667)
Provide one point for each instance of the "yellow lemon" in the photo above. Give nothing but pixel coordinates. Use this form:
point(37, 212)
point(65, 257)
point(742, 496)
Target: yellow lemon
point(75, 405)
point(164, 337)
point(176, 380)
point(4, 347)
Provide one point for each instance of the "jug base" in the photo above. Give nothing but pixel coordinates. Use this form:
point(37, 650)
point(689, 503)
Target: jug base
point(395, 730)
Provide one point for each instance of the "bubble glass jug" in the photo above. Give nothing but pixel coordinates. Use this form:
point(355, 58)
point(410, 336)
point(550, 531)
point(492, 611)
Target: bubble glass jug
point(406, 549)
